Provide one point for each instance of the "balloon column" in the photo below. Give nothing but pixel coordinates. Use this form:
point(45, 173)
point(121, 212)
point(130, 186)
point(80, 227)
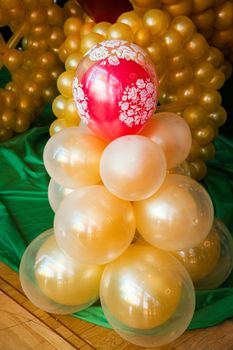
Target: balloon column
point(213, 18)
point(109, 186)
point(190, 72)
point(30, 55)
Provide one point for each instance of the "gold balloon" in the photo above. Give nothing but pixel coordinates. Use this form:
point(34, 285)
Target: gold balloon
point(189, 92)
point(204, 134)
point(60, 124)
point(219, 116)
point(178, 216)
point(184, 26)
point(93, 226)
point(197, 47)
point(207, 152)
point(72, 61)
point(64, 83)
point(89, 41)
point(156, 21)
point(72, 43)
point(59, 106)
point(63, 279)
point(53, 281)
point(180, 8)
point(194, 151)
point(199, 261)
point(142, 37)
point(102, 28)
point(198, 169)
point(132, 19)
point(120, 31)
point(195, 116)
point(172, 42)
point(72, 159)
point(203, 71)
point(72, 25)
point(148, 296)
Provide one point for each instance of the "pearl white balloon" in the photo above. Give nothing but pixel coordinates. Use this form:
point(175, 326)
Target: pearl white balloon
point(56, 193)
point(132, 167)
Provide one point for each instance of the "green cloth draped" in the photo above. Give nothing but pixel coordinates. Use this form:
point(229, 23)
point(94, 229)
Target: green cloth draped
point(25, 212)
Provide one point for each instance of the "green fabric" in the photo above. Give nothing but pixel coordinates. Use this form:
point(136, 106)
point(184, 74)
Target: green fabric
point(25, 212)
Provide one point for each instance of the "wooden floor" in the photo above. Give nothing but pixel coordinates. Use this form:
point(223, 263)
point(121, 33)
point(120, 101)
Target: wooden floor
point(23, 327)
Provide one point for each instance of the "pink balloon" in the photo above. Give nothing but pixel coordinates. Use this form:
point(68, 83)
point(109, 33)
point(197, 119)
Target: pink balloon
point(115, 89)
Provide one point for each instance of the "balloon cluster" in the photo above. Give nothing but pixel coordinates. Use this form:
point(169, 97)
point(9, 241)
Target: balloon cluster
point(125, 229)
point(213, 18)
point(190, 71)
point(34, 66)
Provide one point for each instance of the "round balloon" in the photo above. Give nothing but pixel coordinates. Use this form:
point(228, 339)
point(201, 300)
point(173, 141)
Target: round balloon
point(172, 134)
point(53, 281)
point(132, 167)
point(115, 89)
point(94, 226)
point(178, 216)
point(56, 193)
point(201, 260)
point(72, 158)
point(224, 265)
point(147, 296)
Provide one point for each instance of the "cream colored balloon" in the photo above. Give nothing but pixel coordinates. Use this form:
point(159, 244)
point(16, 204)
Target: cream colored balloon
point(172, 134)
point(132, 167)
point(56, 193)
point(178, 216)
point(72, 158)
point(94, 226)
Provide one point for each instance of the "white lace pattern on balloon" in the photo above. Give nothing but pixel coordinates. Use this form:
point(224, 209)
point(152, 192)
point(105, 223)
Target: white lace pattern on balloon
point(111, 50)
point(81, 101)
point(137, 103)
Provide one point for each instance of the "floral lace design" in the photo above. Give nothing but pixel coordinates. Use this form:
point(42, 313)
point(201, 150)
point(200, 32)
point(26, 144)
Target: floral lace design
point(81, 101)
point(111, 50)
point(137, 103)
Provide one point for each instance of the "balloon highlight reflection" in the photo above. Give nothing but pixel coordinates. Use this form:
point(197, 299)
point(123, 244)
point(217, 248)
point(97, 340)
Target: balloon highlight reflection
point(53, 281)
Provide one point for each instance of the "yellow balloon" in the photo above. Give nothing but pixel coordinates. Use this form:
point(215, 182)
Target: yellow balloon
point(63, 279)
point(199, 261)
point(147, 296)
point(156, 21)
point(178, 216)
point(53, 281)
point(72, 159)
point(64, 83)
point(94, 226)
point(172, 134)
point(132, 167)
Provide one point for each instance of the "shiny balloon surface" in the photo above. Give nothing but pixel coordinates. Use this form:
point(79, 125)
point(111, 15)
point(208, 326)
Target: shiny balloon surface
point(224, 265)
point(115, 88)
point(94, 226)
point(178, 216)
point(72, 159)
point(147, 296)
point(132, 167)
point(56, 193)
point(172, 134)
point(53, 281)
point(201, 260)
